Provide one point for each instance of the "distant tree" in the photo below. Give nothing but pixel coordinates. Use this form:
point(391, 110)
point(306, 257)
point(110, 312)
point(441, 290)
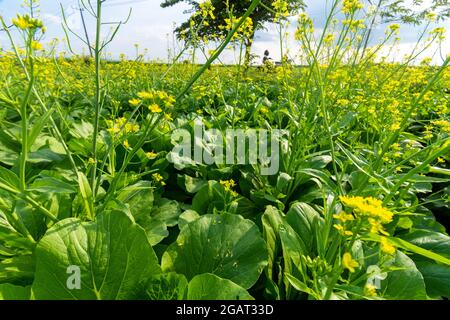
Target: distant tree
point(411, 11)
point(408, 12)
point(218, 18)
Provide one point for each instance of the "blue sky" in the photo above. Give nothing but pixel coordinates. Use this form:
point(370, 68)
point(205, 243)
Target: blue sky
point(151, 26)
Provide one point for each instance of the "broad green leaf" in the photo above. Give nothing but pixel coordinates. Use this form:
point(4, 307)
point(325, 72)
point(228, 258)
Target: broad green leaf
point(44, 156)
point(405, 282)
point(187, 217)
point(437, 278)
point(190, 184)
point(8, 180)
point(139, 197)
point(430, 240)
point(154, 215)
point(211, 287)
point(166, 286)
point(209, 197)
point(11, 292)
point(305, 221)
point(272, 219)
point(167, 211)
point(227, 245)
point(83, 130)
point(51, 185)
point(293, 250)
point(283, 181)
point(113, 256)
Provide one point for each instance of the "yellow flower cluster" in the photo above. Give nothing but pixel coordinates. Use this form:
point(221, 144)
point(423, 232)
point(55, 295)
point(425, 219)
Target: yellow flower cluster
point(156, 98)
point(228, 185)
point(207, 10)
point(369, 207)
point(369, 215)
point(158, 179)
point(281, 8)
point(393, 28)
point(244, 31)
point(305, 26)
point(443, 124)
point(121, 126)
point(350, 6)
point(25, 22)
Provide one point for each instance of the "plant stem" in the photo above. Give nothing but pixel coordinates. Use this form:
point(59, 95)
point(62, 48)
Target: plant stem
point(97, 104)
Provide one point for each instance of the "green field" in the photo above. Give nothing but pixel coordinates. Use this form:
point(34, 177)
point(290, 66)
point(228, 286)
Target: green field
point(347, 198)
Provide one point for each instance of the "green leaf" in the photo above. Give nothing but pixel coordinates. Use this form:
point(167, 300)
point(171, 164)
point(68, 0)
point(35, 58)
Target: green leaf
point(167, 211)
point(227, 245)
point(51, 185)
point(405, 282)
point(211, 287)
point(293, 250)
point(166, 286)
point(209, 197)
point(139, 197)
point(8, 180)
point(44, 156)
point(190, 184)
point(187, 217)
point(400, 243)
point(38, 126)
point(272, 219)
point(154, 215)
point(300, 286)
point(112, 254)
point(437, 278)
point(305, 221)
point(11, 292)
point(86, 195)
point(434, 241)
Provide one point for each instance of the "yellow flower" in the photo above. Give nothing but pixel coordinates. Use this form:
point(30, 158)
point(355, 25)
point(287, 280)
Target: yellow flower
point(228, 185)
point(134, 102)
point(151, 155)
point(395, 126)
point(344, 217)
point(21, 22)
point(349, 263)
point(131, 128)
point(168, 116)
point(91, 161)
point(376, 227)
point(126, 144)
point(158, 178)
point(369, 206)
point(386, 246)
point(342, 230)
point(350, 6)
point(35, 45)
point(154, 108)
point(27, 22)
point(370, 290)
point(145, 95)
